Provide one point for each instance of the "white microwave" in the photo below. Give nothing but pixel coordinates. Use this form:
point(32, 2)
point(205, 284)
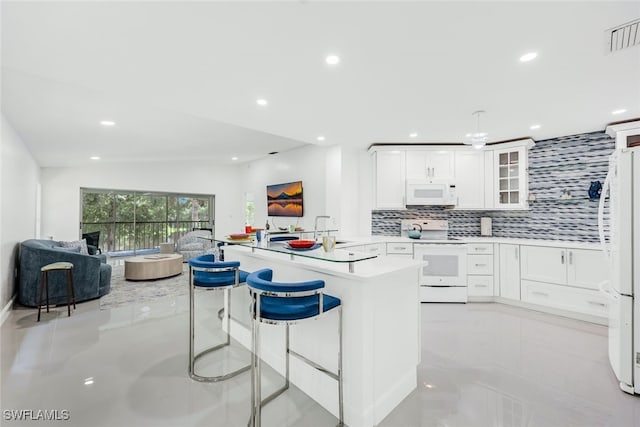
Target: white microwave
point(432, 193)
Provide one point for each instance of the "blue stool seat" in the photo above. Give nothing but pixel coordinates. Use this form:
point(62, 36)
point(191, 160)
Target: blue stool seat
point(207, 273)
point(287, 303)
point(296, 308)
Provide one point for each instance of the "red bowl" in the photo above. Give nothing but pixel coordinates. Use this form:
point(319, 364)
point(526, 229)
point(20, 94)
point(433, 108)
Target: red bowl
point(239, 236)
point(301, 244)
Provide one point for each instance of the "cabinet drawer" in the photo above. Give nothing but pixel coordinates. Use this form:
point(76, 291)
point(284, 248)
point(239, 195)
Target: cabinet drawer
point(566, 298)
point(376, 248)
point(480, 286)
point(480, 264)
point(400, 248)
point(479, 248)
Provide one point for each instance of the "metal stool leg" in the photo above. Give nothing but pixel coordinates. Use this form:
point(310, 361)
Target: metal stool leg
point(192, 355)
point(340, 392)
point(46, 287)
point(256, 386)
point(68, 295)
point(42, 275)
point(73, 289)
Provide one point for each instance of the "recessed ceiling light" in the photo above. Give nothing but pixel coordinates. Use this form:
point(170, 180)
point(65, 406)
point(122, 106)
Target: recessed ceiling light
point(107, 123)
point(234, 158)
point(620, 111)
point(413, 135)
point(320, 138)
point(261, 102)
point(534, 127)
point(88, 381)
point(528, 57)
point(94, 158)
point(332, 59)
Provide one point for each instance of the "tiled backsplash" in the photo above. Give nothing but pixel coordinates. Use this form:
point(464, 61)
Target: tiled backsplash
point(568, 163)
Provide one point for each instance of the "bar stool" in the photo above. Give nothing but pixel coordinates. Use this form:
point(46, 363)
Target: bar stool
point(279, 303)
point(206, 273)
point(44, 284)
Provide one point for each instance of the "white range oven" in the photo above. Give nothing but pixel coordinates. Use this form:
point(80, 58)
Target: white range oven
point(443, 277)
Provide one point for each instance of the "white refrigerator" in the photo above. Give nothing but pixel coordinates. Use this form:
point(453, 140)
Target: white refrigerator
point(623, 252)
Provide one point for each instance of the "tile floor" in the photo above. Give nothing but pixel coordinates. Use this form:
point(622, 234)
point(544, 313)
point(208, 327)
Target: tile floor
point(482, 365)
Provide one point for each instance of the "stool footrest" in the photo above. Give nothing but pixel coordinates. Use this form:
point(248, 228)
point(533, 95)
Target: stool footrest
point(273, 395)
point(315, 365)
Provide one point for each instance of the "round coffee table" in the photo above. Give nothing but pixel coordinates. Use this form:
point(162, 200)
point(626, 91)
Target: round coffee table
point(149, 267)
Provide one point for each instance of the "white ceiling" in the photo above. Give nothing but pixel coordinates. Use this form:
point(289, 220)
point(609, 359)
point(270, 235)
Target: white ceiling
point(181, 79)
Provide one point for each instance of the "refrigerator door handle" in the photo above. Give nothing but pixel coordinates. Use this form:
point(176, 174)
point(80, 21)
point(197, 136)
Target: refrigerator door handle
point(603, 195)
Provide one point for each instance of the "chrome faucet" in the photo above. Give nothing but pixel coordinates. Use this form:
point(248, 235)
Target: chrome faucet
point(315, 226)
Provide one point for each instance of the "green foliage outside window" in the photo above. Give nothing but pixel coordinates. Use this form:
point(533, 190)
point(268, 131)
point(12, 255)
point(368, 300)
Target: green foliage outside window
point(136, 220)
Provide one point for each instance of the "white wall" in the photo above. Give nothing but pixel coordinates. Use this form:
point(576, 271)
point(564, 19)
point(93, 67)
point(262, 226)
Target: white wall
point(306, 164)
point(19, 174)
point(330, 179)
point(61, 190)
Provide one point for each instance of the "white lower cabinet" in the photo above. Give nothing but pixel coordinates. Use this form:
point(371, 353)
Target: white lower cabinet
point(565, 298)
point(378, 249)
point(544, 264)
point(480, 269)
point(509, 271)
point(586, 268)
point(400, 249)
point(564, 278)
point(480, 286)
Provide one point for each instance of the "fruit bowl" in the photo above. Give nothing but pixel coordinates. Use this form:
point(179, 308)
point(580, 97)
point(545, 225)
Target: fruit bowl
point(301, 244)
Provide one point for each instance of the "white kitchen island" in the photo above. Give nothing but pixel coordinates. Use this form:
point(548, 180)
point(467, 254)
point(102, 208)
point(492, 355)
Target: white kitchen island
point(381, 330)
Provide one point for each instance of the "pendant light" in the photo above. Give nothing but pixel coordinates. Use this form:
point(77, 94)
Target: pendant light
point(477, 139)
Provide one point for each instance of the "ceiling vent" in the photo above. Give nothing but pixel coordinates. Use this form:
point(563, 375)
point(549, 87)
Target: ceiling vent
point(622, 37)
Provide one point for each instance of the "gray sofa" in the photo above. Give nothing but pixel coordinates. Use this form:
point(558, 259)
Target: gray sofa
point(91, 273)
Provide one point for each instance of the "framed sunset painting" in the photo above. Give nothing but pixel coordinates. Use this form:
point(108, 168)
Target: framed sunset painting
point(285, 199)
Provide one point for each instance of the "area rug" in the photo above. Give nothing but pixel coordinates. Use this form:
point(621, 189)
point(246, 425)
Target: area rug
point(125, 292)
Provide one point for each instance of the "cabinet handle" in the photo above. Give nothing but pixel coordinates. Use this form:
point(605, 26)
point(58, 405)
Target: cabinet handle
point(540, 293)
point(601, 304)
point(480, 286)
point(480, 249)
point(516, 251)
point(562, 257)
point(570, 257)
point(399, 248)
point(480, 265)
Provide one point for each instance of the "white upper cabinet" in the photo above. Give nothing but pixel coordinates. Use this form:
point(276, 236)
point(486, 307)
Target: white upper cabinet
point(389, 188)
point(470, 179)
point(510, 178)
point(493, 178)
point(429, 165)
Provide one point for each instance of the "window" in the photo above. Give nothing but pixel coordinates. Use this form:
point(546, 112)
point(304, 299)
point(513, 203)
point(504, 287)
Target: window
point(132, 221)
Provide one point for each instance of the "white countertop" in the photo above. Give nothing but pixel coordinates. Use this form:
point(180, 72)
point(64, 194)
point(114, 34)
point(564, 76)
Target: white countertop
point(365, 240)
point(367, 269)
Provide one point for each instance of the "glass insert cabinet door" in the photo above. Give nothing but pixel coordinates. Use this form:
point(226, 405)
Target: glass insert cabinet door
point(511, 178)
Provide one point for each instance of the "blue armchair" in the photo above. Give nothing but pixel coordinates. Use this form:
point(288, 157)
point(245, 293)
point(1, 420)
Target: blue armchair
point(91, 273)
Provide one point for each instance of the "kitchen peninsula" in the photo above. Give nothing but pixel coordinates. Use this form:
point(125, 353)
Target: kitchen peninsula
point(381, 337)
